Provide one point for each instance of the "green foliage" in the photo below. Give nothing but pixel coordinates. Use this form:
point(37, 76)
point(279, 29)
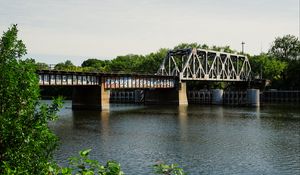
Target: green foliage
point(188, 46)
point(84, 166)
point(271, 68)
point(204, 46)
point(42, 66)
point(126, 64)
point(152, 61)
point(280, 64)
point(96, 65)
point(293, 75)
point(165, 169)
point(66, 66)
point(26, 142)
point(286, 48)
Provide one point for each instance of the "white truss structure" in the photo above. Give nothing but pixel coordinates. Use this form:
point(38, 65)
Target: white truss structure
point(200, 64)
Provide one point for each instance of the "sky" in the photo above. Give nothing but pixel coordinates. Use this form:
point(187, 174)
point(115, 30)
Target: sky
point(56, 30)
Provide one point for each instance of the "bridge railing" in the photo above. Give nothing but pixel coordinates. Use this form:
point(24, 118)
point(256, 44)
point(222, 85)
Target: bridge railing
point(110, 81)
point(127, 82)
point(61, 79)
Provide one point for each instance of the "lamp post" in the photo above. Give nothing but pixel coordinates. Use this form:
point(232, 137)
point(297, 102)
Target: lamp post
point(243, 43)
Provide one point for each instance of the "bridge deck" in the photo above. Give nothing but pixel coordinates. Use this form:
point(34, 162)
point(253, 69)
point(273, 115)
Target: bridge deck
point(109, 80)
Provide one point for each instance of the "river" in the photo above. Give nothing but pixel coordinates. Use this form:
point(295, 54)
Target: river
point(201, 139)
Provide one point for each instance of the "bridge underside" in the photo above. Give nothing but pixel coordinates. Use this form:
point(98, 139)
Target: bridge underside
point(163, 96)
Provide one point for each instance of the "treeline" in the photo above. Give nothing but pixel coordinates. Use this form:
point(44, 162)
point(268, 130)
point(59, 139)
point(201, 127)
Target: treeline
point(130, 63)
point(280, 65)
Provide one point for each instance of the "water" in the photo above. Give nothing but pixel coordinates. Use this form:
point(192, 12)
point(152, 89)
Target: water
point(201, 139)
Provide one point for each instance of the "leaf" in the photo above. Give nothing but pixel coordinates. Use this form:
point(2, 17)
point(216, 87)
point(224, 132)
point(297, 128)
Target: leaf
point(85, 153)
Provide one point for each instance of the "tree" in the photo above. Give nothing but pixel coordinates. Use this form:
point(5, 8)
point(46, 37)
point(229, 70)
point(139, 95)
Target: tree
point(126, 64)
point(151, 62)
point(26, 142)
point(286, 48)
point(204, 46)
point(96, 65)
point(187, 46)
point(66, 66)
point(270, 67)
point(293, 75)
point(42, 66)
point(92, 62)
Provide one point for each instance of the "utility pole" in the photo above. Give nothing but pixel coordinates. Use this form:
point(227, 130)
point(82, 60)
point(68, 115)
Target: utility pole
point(261, 72)
point(243, 43)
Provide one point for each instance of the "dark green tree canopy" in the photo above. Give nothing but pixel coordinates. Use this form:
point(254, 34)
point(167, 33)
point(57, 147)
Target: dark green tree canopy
point(270, 67)
point(94, 64)
point(204, 46)
point(286, 48)
point(67, 65)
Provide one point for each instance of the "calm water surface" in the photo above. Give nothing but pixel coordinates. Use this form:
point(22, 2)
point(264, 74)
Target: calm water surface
point(202, 139)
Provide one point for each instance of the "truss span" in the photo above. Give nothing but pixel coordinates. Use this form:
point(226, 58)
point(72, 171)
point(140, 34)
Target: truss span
point(200, 64)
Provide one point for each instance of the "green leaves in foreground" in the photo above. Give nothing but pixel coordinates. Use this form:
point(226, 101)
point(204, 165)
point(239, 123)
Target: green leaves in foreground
point(172, 169)
point(26, 141)
point(82, 165)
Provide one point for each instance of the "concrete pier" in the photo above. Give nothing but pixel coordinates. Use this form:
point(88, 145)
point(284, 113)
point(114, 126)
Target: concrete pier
point(253, 97)
point(182, 95)
point(105, 96)
point(217, 96)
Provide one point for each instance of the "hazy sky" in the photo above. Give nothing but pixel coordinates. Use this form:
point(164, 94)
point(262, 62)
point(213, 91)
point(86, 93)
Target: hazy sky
point(56, 30)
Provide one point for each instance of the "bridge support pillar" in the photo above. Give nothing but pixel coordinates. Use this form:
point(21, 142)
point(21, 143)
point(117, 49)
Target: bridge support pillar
point(182, 96)
point(105, 96)
point(253, 97)
point(217, 96)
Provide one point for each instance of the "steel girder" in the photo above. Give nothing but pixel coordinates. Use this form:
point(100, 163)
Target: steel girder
point(200, 64)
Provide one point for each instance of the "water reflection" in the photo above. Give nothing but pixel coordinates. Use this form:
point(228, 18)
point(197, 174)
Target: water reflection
point(257, 112)
point(203, 139)
point(182, 115)
point(104, 116)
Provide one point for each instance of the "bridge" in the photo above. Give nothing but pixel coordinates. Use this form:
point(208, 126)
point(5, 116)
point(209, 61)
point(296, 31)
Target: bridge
point(168, 85)
point(207, 65)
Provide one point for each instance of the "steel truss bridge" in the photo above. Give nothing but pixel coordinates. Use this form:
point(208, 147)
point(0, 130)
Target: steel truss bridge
point(205, 65)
